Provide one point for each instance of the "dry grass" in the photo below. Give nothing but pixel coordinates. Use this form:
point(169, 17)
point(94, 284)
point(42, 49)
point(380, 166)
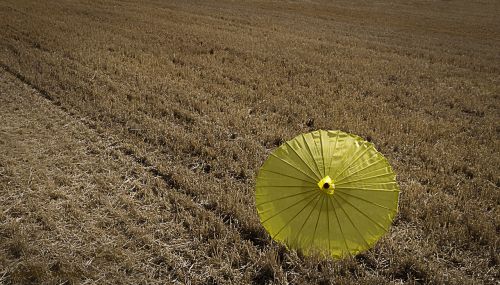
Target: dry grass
point(139, 165)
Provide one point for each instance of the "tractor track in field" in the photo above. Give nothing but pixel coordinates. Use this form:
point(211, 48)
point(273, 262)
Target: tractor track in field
point(255, 237)
point(200, 212)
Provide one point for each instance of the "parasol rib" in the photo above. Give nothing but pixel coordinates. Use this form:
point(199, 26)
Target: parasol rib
point(367, 201)
point(293, 166)
point(294, 217)
point(373, 184)
point(283, 186)
point(282, 174)
point(275, 214)
point(328, 227)
point(352, 223)
point(340, 227)
point(303, 161)
point(310, 153)
point(333, 151)
point(305, 221)
point(365, 178)
point(285, 197)
point(317, 221)
point(359, 170)
point(363, 213)
point(322, 151)
point(386, 166)
point(354, 161)
point(375, 170)
point(365, 189)
point(344, 158)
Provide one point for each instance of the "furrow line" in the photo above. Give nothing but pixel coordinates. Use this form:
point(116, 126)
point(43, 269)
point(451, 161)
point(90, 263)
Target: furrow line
point(255, 235)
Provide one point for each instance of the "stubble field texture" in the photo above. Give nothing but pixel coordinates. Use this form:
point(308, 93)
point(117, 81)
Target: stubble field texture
point(131, 134)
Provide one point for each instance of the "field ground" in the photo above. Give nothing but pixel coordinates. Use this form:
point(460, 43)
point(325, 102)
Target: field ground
point(131, 133)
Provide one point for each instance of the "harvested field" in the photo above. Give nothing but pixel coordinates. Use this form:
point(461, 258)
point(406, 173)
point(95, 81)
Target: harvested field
point(131, 133)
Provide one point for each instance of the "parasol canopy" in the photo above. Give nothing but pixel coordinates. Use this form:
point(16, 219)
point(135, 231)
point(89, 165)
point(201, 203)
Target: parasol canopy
point(327, 192)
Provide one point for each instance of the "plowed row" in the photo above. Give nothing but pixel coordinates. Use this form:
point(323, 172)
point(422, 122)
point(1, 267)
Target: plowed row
point(131, 133)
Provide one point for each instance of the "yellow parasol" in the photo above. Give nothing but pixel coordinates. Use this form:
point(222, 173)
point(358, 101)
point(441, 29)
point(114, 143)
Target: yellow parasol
point(327, 192)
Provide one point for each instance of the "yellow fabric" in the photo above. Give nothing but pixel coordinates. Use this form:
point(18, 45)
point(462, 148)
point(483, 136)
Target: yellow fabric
point(304, 217)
